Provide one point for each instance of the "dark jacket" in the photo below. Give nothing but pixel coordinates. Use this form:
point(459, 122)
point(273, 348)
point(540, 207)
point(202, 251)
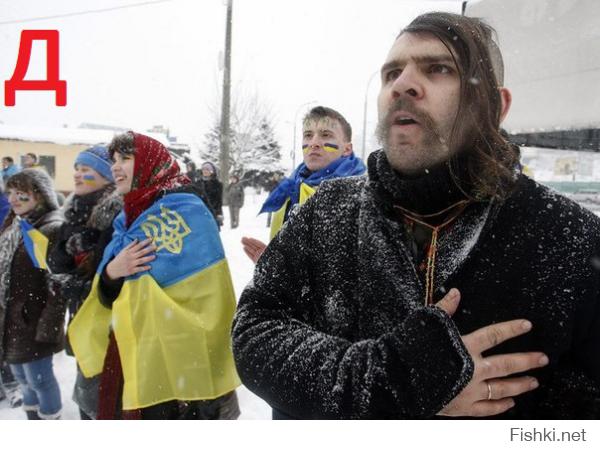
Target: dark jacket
point(81, 240)
point(235, 195)
point(334, 323)
point(213, 189)
point(34, 316)
point(77, 254)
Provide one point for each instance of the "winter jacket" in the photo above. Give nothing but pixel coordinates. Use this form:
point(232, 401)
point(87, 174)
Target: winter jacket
point(235, 194)
point(32, 324)
point(334, 324)
point(78, 251)
point(10, 171)
point(213, 189)
point(81, 240)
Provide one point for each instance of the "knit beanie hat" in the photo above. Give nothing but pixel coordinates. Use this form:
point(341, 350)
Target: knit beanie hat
point(97, 158)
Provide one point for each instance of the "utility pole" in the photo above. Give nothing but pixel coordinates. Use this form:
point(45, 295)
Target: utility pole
point(226, 101)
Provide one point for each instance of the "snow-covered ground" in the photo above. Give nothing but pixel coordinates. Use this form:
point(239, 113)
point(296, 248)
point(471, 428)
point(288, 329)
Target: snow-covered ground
point(241, 267)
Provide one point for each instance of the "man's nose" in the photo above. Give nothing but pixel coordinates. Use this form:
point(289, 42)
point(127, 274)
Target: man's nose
point(314, 142)
point(408, 83)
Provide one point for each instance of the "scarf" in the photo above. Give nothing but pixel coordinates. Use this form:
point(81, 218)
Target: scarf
point(81, 207)
point(289, 188)
point(426, 194)
point(155, 171)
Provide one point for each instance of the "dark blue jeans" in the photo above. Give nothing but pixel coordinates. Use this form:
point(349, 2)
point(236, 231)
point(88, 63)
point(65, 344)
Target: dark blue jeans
point(39, 387)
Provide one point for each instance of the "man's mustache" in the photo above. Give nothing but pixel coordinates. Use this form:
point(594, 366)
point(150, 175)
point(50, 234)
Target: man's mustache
point(403, 104)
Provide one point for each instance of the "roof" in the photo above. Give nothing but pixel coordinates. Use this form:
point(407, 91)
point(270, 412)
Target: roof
point(65, 136)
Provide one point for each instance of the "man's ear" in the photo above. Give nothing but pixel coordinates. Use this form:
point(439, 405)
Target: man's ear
point(347, 149)
point(506, 98)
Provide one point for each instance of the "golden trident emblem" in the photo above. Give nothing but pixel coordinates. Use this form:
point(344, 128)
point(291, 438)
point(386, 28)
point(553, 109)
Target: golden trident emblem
point(167, 230)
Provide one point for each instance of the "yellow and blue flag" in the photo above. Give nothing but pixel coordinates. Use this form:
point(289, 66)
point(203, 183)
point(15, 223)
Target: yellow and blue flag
point(278, 218)
point(172, 323)
point(35, 243)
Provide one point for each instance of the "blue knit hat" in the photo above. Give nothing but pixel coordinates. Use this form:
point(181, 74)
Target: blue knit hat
point(97, 158)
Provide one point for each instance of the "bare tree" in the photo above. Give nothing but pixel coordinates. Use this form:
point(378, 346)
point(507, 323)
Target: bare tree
point(253, 146)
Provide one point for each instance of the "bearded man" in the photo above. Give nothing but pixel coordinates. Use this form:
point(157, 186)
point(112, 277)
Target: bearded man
point(447, 282)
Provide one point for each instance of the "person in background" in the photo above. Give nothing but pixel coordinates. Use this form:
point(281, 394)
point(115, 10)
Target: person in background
point(328, 154)
point(87, 230)
point(235, 196)
point(9, 168)
point(192, 172)
point(156, 325)
point(30, 161)
point(213, 188)
point(32, 311)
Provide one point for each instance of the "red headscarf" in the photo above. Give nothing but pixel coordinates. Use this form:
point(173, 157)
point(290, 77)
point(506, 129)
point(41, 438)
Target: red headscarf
point(154, 170)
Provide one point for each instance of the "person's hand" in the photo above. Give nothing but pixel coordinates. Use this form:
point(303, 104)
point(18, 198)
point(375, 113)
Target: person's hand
point(253, 248)
point(491, 390)
point(131, 260)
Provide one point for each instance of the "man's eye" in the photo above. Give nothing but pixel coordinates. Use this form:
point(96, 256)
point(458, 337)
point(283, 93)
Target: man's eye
point(392, 74)
point(440, 68)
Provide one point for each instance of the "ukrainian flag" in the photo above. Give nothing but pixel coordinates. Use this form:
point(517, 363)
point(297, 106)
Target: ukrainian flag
point(306, 192)
point(35, 243)
point(172, 324)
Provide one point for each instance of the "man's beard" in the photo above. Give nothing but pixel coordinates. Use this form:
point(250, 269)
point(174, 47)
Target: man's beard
point(432, 149)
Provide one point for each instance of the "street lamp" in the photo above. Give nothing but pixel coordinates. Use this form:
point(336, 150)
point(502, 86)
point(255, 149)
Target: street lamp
point(364, 136)
point(293, 153)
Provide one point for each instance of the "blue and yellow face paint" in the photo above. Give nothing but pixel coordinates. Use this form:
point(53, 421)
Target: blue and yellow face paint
point(328, 147)
point(89, 180)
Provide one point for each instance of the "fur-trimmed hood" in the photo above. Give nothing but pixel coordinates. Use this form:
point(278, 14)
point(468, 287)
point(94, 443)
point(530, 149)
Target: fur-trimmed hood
point(43, 185)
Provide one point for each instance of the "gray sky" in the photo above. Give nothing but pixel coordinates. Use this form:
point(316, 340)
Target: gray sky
point(158, 63)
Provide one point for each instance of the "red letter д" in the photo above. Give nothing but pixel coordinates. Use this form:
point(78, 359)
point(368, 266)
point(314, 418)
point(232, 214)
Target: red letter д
point(51, 83)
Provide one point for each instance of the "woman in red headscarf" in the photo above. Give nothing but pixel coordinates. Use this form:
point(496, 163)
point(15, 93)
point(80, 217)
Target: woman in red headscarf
point(153, 189)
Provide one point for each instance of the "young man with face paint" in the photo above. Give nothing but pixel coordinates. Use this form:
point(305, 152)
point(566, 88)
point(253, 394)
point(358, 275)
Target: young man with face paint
point(89, 213)
point(31, 308)
point(377, 299)
point(327, 150)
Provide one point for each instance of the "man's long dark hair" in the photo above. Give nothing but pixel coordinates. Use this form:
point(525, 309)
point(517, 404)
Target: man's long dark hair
point(491, 159)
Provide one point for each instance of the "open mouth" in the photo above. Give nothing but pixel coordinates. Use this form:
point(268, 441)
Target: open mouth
point(402, 120)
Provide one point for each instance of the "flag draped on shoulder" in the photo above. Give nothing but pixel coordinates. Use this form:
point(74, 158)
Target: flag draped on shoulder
point(302, 184)
point(35, 243)
point(172, 323)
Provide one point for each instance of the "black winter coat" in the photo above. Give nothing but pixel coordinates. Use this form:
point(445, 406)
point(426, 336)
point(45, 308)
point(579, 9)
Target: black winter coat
point(334, 323)
point(213, 189)
point(81, 241)
point(35, 312)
